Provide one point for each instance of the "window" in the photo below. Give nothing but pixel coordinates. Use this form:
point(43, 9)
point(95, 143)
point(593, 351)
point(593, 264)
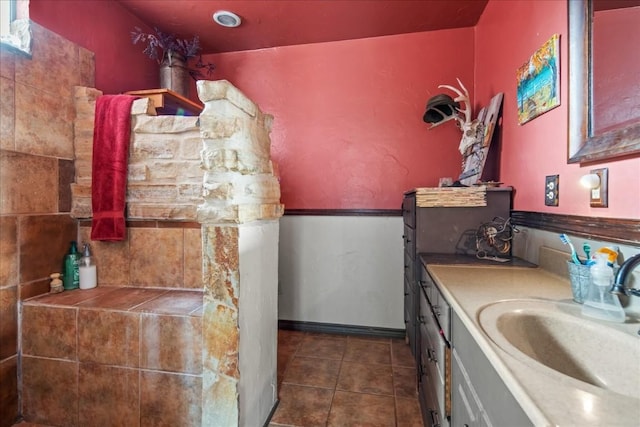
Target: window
point(14, 25)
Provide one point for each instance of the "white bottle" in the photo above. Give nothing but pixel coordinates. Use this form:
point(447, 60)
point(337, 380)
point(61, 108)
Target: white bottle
point(600, 303)
point(88, 272)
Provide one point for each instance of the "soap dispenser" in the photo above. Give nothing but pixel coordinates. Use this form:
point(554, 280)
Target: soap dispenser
point(600, 303)
point(88, 272)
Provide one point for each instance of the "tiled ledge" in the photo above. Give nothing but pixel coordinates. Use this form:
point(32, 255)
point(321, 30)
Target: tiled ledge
point(114, 298)
point(113, 356)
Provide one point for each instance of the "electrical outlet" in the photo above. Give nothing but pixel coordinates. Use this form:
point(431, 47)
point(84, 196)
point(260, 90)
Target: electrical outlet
point(599, 195)
point(551, 190)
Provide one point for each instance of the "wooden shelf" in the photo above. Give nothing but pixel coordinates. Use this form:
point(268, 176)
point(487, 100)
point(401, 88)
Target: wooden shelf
point(169, 103)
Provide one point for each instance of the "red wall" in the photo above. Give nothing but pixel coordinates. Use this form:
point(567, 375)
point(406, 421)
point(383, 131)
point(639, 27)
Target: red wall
point(506, 36)
point(348, 130)
point(104, 28)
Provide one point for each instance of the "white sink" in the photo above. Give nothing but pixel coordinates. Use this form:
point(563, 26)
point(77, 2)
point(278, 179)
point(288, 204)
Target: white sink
point(555, 338)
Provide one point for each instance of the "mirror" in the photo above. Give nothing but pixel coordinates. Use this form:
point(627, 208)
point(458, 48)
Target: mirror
point(595, 133)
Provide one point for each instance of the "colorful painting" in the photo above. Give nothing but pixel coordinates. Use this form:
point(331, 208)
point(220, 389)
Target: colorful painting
point(539, 82)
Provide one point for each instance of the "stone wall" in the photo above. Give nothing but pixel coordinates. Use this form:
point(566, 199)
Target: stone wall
point(215, 169)
point(165, 176)
point(176, 163)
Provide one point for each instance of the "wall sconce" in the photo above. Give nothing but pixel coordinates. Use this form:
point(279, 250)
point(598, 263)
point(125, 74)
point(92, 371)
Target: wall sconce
point(597, 181)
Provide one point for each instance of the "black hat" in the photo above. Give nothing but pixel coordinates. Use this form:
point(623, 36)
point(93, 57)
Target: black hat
point(440, 107)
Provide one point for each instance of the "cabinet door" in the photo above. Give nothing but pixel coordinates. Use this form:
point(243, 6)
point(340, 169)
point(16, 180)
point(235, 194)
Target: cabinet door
point(467, 410)
point(493, 396)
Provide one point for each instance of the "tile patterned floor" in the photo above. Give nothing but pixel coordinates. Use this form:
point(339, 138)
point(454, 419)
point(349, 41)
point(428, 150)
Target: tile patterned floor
point(343, 381)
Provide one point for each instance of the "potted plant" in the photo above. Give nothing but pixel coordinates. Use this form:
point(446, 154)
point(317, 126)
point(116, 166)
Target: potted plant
point(173, 54)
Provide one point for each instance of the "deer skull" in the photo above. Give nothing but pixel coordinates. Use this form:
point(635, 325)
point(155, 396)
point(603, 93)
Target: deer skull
point(470, 129)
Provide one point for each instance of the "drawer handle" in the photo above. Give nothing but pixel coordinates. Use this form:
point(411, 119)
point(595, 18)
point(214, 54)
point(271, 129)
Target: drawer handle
point(435, 422)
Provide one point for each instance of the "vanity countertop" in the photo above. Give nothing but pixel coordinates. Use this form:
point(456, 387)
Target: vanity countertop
point(548, 401)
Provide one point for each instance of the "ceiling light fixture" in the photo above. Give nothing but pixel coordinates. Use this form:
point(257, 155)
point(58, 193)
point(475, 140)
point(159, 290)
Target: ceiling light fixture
point(227, 19)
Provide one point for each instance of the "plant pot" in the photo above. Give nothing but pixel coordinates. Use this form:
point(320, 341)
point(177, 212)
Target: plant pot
point(174, 74)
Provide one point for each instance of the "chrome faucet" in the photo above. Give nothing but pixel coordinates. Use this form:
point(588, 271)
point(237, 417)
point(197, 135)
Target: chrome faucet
point(618, 286)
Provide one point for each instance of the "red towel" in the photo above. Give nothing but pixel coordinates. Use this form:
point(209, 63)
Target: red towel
point(112, 130)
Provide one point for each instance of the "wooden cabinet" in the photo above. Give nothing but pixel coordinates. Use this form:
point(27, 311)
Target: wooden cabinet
point(427, 315)
point(440, 230)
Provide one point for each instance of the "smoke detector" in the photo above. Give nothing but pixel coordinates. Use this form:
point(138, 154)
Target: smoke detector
point(227, 19)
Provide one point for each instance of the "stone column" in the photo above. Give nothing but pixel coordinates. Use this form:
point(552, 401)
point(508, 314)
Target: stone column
point(239, 218)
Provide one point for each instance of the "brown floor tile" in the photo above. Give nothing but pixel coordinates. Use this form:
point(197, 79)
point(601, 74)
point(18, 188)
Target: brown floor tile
point(368, 338)
point(365, 378)
point(368, 352)
point(404, 382)
point(290, 338)
point(303, 406)
point(401, 354)
point(356, 409)
point(322, 346)
point(313, 372)
point(408, 413)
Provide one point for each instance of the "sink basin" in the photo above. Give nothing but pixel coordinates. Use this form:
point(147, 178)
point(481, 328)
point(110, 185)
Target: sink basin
point(555, 338)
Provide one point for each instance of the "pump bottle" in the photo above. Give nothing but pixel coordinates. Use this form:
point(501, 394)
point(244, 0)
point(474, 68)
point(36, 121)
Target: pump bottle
point(600, 303)
point(88, 272)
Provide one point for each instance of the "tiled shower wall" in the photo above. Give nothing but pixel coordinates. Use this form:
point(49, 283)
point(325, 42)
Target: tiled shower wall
point(157, 254)
point(36, 169)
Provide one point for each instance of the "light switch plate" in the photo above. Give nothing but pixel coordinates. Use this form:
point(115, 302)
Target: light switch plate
point(599, 196)
point(551, 190)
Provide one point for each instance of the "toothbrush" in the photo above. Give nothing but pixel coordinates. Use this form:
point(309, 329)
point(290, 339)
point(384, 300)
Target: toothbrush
point(574, 256)
point(587, 250)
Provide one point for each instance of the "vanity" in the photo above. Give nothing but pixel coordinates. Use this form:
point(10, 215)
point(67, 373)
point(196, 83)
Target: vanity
point(521, 353)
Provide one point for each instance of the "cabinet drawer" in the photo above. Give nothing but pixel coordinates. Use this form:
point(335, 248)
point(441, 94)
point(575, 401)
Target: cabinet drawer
point(409, 238)
point(409, 269)
point(426, 283)
point(409, 210)
point(440, 306)
point(431, 415)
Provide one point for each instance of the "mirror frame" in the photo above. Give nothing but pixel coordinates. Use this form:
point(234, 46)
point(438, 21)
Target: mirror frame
point(583, 146)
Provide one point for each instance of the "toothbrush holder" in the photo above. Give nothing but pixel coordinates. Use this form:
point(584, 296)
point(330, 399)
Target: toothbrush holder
point(580, 279)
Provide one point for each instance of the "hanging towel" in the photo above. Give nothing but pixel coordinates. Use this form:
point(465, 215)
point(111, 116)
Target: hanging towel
point(112, 130)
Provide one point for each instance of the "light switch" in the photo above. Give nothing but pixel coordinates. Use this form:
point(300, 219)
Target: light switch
point(599, 195)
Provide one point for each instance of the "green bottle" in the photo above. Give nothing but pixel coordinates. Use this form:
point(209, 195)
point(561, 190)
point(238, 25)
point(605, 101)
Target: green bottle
point(71, 278)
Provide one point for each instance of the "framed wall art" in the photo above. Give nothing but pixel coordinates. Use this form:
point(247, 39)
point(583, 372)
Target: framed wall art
point(538, 81)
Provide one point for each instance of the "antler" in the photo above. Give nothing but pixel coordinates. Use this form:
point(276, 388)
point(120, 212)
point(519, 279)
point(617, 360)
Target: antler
point(462, 97)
